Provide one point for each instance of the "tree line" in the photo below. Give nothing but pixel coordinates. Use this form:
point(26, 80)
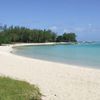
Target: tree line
point(16, 34)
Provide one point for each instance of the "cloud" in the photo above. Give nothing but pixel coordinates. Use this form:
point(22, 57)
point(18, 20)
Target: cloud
point(79, 29)
point(67, 30)
point(90, 25)
point(84, 30)
point(75, 29)
point(54, 28)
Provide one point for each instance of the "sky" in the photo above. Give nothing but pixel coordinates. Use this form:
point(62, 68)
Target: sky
point(79, 16)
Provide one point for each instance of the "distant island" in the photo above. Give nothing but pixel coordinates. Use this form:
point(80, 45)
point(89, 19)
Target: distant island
point(16, 34)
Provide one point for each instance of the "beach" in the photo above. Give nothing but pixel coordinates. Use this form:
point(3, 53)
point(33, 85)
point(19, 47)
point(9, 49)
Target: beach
point(56, 81)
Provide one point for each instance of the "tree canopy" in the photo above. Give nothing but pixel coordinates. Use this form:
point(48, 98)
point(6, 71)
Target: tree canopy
point(22, 34)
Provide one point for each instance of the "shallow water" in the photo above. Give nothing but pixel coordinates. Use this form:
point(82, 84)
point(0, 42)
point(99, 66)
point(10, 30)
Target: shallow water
point(87, 54)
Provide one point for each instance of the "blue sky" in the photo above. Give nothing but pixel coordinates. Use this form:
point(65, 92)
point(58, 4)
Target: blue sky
point(79, 16)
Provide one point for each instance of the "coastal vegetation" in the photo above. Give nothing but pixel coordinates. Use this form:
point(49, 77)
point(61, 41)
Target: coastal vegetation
point(16, 34)
point(18, 90)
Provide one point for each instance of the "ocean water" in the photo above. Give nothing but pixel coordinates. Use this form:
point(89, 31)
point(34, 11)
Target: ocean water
point(82, 54)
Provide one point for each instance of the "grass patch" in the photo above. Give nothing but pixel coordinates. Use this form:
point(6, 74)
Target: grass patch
point(11, 89)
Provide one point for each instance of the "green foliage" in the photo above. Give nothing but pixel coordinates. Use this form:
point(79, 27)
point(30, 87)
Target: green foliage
point(21, 34)
point(59, 39)
point(18, 90)
point(69, 37)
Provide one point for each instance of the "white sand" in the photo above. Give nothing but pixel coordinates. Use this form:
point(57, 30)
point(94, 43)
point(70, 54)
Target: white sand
point(56, 81)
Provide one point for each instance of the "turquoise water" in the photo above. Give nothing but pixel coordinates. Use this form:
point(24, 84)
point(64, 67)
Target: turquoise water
point(87, 54)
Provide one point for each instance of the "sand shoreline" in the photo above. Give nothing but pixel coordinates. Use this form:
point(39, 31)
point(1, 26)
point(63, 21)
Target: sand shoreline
point(56, 81)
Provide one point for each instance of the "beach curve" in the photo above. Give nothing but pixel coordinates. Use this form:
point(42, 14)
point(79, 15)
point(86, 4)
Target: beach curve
point(56, 81)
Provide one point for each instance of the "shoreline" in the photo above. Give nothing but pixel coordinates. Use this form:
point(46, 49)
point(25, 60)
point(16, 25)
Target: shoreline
point(46, 44)
point(56, 81)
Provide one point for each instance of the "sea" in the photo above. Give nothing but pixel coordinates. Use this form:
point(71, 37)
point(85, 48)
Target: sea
point(80, 54)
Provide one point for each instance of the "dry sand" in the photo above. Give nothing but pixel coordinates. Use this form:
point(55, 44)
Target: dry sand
point(56, 81)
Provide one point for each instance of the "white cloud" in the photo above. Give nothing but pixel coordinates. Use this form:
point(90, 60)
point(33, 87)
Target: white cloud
point(90, 25)
point(67, 30)
point(87, 29)
point(54, 28)
point(79, 29)
point(76, 29)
